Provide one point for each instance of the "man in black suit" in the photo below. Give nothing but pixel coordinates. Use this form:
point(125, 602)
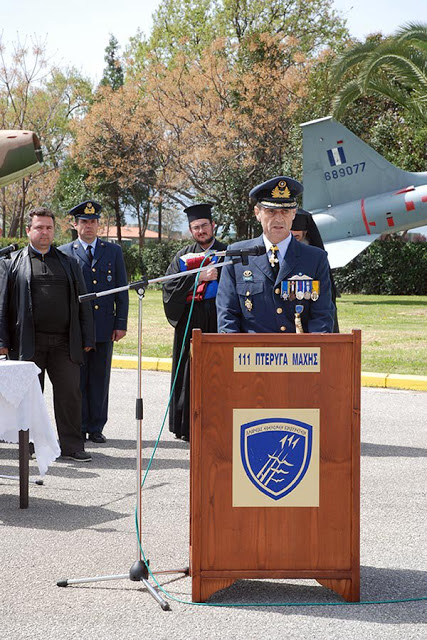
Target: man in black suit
point(41, 320)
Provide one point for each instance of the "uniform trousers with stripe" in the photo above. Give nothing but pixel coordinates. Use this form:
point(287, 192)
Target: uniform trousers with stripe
point(94, 385)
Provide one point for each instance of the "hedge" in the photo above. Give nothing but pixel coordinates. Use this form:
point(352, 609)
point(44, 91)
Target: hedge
point(152, 260)
point(390, 267)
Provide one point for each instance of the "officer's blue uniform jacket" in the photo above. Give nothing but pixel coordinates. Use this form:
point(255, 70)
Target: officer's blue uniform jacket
point(249, 301)
point(106, 272)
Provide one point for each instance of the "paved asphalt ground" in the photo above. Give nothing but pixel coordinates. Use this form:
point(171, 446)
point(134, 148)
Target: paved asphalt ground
point(81, 523)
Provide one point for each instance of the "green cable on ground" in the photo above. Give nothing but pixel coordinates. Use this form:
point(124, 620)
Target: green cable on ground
point(268, 604)
point(232, 604)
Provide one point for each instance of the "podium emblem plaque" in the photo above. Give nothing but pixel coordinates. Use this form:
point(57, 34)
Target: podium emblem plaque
point(276, 454)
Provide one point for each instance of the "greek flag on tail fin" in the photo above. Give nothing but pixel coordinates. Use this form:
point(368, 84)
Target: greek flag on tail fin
point(336, 156)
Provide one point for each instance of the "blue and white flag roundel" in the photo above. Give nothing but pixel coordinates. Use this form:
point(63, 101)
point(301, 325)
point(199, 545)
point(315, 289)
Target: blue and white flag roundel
point(276, 454)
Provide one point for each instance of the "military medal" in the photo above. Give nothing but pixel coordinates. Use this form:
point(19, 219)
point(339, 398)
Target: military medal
point(292, 284)
point(307, 292)
point(300, 289)
point(248, 304)
point(299, 308)
point(315, 290)
point(247, 275)
point(284, 289)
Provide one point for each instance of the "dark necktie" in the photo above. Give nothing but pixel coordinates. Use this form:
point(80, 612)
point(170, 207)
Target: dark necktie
point(273, 259)
point(89, 253)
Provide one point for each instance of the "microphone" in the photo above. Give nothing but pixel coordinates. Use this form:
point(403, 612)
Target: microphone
point(88, 296)
point(240, 254)
point(7, 250)
point(259, 250)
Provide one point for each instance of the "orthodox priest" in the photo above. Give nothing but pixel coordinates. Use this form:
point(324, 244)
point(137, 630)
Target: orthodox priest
point(177, 297)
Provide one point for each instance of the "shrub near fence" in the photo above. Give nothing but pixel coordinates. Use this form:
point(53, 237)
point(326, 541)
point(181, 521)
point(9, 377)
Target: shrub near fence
point(152, 261)
point(388, 267)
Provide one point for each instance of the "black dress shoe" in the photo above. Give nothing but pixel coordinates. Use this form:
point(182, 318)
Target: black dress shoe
point(97, 437)
point(79, 456)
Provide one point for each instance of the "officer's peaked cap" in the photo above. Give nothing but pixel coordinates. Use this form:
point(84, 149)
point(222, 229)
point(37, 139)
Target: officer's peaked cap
point(277, 193)
point(89, 209)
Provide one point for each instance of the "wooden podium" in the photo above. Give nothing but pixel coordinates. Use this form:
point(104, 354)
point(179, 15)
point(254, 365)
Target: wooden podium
point(238, 527)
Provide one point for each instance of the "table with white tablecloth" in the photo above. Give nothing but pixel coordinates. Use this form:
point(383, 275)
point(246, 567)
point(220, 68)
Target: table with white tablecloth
point(23, 409)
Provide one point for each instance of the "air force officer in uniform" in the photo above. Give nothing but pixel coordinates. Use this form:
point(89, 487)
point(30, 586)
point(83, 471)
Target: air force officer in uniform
point(103, 268)
point(288, 288)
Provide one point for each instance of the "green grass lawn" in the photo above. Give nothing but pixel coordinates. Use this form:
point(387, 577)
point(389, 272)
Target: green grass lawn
point(157, 333)
point(394, 330)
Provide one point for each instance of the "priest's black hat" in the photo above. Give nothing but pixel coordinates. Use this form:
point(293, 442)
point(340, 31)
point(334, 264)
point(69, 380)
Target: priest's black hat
point(198, 211)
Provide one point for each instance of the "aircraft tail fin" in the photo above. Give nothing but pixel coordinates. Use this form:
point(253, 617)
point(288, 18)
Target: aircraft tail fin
point(339, 167)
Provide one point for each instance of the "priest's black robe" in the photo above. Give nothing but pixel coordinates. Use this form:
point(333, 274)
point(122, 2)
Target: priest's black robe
point(177, 308)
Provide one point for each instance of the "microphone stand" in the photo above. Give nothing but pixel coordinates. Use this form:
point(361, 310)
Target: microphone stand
point(139, 569)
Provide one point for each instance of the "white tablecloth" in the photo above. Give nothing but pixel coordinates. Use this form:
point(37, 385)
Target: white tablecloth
point(22, 407)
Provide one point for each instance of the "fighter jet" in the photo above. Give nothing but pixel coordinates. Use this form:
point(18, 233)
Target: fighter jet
point(20, 154)
point(353, 193)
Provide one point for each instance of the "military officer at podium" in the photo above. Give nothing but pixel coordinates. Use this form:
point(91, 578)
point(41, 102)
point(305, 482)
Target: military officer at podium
point(286, 289)
point(103, 268)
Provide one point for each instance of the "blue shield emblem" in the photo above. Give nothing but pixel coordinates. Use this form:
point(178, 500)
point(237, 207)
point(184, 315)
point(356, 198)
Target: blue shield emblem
point(275, 454)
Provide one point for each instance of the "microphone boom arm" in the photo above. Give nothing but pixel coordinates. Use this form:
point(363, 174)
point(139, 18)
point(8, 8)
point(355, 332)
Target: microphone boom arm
point(142, 284)
point(234, 254)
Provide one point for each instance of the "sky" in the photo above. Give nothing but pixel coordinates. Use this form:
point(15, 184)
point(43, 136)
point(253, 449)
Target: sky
point(77, 33)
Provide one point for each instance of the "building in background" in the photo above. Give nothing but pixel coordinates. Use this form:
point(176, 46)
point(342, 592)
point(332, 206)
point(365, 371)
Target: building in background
point(130, 235)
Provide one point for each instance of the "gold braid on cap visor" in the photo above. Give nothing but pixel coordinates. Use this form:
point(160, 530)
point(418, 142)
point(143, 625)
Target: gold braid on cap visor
point(278, 205)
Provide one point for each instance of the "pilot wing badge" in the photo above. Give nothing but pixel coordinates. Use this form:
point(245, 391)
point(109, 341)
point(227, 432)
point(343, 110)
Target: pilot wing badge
point(276, 454)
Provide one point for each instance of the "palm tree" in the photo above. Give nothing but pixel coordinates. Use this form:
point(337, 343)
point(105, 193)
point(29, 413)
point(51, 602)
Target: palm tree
point(395, 68)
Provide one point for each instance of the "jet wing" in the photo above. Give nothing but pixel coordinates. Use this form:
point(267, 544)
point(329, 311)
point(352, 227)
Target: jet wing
point(20, 154)
point(341, 252)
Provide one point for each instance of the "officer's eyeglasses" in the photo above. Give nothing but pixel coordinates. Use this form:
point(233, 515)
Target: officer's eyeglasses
point(202, 227)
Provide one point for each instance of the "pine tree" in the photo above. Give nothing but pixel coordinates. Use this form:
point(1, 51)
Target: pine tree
point(113, 72)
